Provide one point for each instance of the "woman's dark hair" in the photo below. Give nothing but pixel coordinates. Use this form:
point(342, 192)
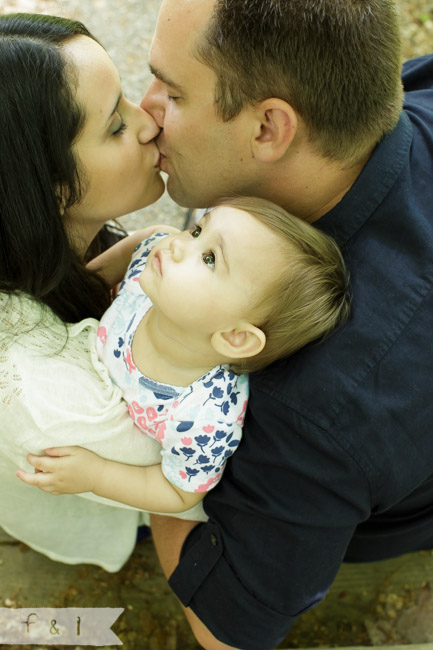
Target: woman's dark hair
point(39, 121)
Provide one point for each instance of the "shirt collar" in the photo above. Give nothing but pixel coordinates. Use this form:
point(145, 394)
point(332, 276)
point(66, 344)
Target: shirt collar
point(372, 185)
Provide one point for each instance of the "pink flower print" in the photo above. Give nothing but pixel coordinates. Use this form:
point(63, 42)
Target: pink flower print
point(175, 405)
point(136, 279)
point(186, 441)
point(208, 428)
point(131, 412)
point(241, 417)
point(205, 486)
point(182, 474)
point(151, 414)
point(129, 362)
point(150, 432)
point(137, 408)
point(160, 432)
point(102, 334)
point(141, 422)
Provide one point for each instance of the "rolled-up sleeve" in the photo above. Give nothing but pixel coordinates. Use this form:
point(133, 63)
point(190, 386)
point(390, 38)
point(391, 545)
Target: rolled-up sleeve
point(206, 582)
point(279, 525)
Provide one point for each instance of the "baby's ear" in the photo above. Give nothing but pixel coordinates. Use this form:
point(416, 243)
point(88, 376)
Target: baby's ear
point(244, 341)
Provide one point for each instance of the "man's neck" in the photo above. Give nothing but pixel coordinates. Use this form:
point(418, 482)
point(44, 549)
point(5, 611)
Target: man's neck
point(311, 185)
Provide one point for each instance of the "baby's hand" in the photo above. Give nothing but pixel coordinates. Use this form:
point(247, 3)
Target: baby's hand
point(112, 263)
point(64, 470)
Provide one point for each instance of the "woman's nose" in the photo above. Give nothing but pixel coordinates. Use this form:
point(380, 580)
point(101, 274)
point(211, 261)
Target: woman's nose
point(153, 102)
point(148, 128)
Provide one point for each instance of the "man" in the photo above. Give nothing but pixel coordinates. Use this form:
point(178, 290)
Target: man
point(300, 103)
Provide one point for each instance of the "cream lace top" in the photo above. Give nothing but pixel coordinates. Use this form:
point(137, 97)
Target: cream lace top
point(54, 391)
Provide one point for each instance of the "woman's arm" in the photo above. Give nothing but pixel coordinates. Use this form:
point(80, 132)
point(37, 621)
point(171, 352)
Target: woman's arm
point(112, 263)
point(71, 470)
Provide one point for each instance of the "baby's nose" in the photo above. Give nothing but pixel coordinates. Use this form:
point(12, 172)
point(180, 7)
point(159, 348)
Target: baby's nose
point(177, 248)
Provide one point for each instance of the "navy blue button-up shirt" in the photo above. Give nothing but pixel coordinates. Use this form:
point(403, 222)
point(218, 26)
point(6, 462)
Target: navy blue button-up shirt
point(337, 457)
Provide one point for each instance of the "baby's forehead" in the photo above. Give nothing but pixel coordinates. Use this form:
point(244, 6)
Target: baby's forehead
point(237, 224)
point(235, 220)
point(224, 211)
point(239, 228)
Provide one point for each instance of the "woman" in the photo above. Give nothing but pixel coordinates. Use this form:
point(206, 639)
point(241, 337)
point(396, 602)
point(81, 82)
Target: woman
point(74, 153)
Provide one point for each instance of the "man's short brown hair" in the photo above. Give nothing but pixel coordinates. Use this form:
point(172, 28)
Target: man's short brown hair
point(337, 62)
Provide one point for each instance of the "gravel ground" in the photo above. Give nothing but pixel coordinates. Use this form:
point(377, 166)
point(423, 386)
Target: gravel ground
point(152, 619)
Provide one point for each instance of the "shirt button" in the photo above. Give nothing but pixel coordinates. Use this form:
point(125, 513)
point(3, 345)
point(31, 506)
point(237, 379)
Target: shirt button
point(214, 540)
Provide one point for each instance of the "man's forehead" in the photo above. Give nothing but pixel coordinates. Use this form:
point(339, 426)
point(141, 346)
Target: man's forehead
point(190, 14)
point(174, 66)
point(189, 4)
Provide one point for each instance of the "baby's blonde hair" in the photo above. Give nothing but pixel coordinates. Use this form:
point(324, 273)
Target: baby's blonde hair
point(310, 298)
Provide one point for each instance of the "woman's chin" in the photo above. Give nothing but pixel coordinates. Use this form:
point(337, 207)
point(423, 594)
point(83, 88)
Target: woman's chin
point(153, 195)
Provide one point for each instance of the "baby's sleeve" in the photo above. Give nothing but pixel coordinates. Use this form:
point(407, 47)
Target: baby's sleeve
point(202, 431)
point(194, 454)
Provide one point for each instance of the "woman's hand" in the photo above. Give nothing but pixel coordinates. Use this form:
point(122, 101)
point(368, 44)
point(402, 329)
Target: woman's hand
point(64, 470)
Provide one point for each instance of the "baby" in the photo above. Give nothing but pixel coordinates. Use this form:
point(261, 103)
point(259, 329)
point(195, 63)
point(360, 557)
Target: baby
point(196, 312)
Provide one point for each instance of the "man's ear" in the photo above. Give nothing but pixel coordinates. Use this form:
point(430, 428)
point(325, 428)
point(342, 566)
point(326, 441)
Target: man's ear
point(277, 124)
point(244, 341)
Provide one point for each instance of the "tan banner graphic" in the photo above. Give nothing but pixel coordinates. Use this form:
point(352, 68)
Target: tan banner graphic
point(69, 626)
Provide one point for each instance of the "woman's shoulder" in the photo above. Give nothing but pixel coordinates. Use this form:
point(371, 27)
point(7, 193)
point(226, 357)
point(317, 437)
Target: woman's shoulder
point(26, 321)
point(31, 335)
point(20, 312)
point(50, 366)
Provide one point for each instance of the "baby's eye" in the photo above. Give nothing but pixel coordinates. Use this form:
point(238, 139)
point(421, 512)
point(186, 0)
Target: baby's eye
point(209, 259)
point(195, 232)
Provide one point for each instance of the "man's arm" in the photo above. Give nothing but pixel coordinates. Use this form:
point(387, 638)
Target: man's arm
point(275, 540)
point(169, 535)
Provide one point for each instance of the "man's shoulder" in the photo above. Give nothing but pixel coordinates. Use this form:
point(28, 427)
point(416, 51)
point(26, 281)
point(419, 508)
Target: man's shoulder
point(360, 396)
point(417, 74)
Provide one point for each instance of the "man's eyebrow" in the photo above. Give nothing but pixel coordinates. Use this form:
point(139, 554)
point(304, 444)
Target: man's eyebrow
point(115, 108)
point(165, 80)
